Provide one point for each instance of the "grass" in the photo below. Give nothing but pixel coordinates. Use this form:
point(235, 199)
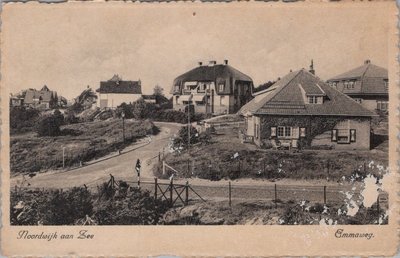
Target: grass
point(82, 142)
point(216, 161)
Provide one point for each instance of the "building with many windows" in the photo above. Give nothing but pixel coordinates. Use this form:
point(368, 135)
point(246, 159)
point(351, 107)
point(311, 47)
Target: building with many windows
point(366, 84)
point(212, 89)
point(302, 111)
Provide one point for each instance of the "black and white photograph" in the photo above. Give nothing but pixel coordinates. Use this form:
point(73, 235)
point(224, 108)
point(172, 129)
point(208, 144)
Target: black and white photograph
point(153, 115)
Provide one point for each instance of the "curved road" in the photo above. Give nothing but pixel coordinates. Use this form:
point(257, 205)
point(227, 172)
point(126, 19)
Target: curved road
point(122, 166)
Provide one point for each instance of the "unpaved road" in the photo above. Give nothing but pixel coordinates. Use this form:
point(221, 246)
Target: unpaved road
point(122, 166)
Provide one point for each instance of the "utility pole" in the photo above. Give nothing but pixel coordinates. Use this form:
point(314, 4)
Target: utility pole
point(63, 157)
point(123, 125)
point(189, 100)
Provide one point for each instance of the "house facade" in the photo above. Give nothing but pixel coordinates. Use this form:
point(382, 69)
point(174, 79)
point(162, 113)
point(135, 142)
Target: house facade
point(212, 89)
point(42, 99)
point(366, 84)
point(302, 111)
point(115, 91)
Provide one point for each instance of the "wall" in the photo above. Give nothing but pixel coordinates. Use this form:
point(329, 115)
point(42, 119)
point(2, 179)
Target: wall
point(114, 100)
point(318, 129)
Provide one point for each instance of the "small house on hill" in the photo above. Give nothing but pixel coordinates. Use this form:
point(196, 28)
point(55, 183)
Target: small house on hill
point(43, 99)
point(366, 84)
point(212, 89)
point(115, 91)
point(302, 111)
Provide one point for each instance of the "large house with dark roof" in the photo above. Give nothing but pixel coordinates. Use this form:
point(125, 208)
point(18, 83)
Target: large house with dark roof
point(302, 111)
point(42, 99)
point(366, 84)
point(212, 89)
point(115, 91)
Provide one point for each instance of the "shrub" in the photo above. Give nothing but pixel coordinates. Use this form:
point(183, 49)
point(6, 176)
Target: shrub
point(23, 119)
point(50, 125)
point(136, 208)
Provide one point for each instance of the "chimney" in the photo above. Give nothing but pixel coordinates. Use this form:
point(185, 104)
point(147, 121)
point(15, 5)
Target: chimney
point(212, 63)
point(312, 67)
point(226, 62)
point(367, 61)
point(200, 63)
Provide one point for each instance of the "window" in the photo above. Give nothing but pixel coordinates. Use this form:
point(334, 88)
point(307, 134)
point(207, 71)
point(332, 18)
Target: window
point(202, 87)
point(382, 105)
point(177, 98)
point(343, 135)
point(284, 131)
point(176, 88)
point(302, 132)
point(221, 101)
point(221, 87)
point(386, 82)
point(312, 99)
point(273, 131)
point(351, 84)
point(334, 85)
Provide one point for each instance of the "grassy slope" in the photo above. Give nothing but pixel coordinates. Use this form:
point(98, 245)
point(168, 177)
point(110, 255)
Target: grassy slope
point(215, 161)
point(82, 142)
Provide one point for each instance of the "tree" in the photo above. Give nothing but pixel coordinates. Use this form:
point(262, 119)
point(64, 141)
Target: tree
point(158, 90)
point(50, 125)
point(264, 86)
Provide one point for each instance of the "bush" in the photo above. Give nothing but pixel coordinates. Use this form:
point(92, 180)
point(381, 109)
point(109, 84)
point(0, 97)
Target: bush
point(182, 139)
point(23, 119)
point(137, 207)
point(50, 125)
point(50, 207)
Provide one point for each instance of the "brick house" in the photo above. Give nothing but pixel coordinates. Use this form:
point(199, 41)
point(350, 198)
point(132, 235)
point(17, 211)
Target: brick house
point(366, 84)
point(302, 111)
point(115, 91)
point(212, 89)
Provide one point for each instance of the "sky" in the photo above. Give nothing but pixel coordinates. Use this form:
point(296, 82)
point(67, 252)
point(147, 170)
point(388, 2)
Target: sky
point(69, 46)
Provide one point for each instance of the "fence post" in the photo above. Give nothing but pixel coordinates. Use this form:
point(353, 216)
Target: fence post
point(187, 193)
point(230, 194)
point(155, 188)
point(377, 207)
point(263, 167)
point(188, 167)
point(276, 196)
point(159, 156)
point(171, 188)
point(324, 194)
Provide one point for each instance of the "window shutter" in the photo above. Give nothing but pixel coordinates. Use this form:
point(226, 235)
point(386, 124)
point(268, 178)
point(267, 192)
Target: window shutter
point(302, 132)
point(352, 135)
point(295, 132)
point(334, 135)
point(273, 131)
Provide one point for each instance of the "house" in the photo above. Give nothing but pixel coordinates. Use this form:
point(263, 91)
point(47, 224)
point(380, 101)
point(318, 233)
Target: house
point(42, 99)
point(16, 101)
point(212, 89)
point(115, 91)
point(302, 111)
point(366, 84)
point(150, 99)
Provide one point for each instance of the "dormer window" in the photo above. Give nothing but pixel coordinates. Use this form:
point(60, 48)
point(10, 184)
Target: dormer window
point(176, 88)
point(221, 87)
point(386, 85)
point(312, 99)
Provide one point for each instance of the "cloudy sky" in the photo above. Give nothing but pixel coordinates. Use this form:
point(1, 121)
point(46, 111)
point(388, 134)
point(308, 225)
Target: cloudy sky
point(70, 46)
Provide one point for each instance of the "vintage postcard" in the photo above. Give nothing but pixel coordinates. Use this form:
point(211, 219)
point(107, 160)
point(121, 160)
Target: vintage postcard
point(199, 129)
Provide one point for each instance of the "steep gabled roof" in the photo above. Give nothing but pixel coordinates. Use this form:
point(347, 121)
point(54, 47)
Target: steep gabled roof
point(115, 85)
point(370, 76)
point(44, 96)
point(288, 97)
